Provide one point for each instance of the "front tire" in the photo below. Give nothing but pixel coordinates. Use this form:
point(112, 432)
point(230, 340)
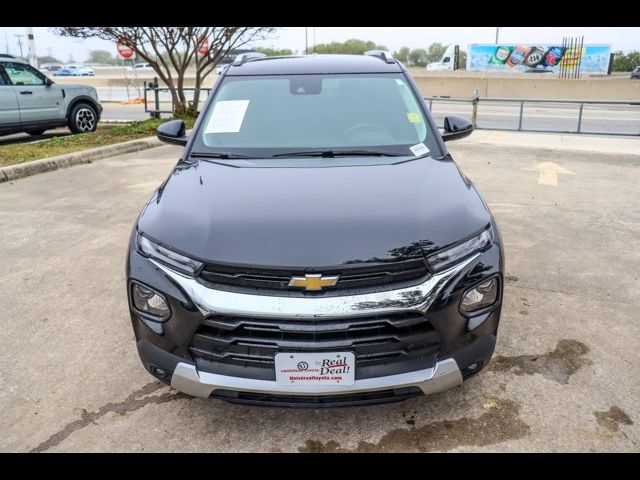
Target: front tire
point(83, 118)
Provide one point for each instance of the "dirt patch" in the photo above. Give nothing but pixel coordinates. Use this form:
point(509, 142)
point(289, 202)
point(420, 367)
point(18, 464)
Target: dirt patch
point(498, 424)
point(613, 418)
point(511, 278)
point(134, 401)
point(566, 359)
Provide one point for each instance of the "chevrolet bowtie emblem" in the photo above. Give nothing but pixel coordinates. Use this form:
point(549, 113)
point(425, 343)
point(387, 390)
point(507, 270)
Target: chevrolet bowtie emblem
point(313, 281)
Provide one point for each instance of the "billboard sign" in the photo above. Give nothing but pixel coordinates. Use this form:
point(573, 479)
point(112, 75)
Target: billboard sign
point(593, 59)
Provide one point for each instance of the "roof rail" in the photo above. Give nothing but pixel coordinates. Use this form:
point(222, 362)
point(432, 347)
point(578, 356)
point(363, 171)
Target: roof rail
point(381, 54)
point(6, 55)
point(247, 57)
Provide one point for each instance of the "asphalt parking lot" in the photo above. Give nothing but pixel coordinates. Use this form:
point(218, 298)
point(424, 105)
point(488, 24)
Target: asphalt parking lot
point(564, 376)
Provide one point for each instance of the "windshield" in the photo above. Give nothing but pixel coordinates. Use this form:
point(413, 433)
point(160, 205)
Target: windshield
point(323, 115)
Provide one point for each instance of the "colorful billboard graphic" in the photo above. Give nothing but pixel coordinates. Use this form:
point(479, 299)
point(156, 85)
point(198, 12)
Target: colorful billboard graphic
point(593, 59)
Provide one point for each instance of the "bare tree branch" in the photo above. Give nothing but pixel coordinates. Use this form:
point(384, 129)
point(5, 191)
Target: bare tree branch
point(172, 51)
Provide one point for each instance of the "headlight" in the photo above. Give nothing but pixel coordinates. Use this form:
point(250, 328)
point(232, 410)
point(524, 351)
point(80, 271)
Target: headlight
point(481, 296)
point(148, 301)
point(173, 259)
point(446, 258)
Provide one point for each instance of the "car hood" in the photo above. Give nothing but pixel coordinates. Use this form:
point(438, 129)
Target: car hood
point(310, 216)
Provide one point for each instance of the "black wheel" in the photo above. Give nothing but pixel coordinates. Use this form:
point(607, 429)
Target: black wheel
point(83, 118)
point(35, 133)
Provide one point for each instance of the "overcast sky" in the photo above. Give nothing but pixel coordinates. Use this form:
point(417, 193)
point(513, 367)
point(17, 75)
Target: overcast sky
point(620, 38)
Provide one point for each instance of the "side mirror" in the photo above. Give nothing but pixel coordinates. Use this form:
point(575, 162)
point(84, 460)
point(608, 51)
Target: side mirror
point(48, 82)
point(456, 128)
point(173, 132)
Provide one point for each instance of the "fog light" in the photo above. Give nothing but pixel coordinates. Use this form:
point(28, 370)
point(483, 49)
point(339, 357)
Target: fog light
point(148, 301)
point(481, 296)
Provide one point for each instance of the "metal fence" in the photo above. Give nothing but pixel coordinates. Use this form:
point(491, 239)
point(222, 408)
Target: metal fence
point(155, 97)
point(476, 106)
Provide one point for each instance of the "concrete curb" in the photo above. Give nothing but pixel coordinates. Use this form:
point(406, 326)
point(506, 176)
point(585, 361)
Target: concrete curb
point(14, 172)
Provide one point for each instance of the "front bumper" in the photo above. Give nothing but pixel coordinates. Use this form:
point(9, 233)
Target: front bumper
point(467, 343)
point(442, 376)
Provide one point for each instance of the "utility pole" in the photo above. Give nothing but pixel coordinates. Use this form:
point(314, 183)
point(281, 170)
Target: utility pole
point(19, 42)
point(497, 33)
point(50, 51)
point(6, 41)
point(33, 59)
point(314, 39)
point(306, 41)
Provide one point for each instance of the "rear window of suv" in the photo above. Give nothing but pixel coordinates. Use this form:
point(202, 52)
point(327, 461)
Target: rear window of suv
point(269, 115)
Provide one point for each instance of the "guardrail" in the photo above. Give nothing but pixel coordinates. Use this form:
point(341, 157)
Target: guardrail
point(580, 104)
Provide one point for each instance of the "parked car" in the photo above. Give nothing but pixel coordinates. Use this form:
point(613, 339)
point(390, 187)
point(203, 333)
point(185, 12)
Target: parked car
point(316, 243)
point(31, 102)
point(50, 67)
point(636, 73)
point(142, 66)
point(75, 71)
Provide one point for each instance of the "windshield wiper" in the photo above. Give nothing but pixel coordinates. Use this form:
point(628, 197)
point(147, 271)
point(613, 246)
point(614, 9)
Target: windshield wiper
point(223, 155)
point(330, 153)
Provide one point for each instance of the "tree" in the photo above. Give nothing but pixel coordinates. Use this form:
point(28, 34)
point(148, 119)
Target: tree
point(274, 52)
point(101, 56)
point(48, 59)
point(626, 62)
point(171, 50)
point(352, 46)
point(402, 55)
point(418, 57)
point(435, 52)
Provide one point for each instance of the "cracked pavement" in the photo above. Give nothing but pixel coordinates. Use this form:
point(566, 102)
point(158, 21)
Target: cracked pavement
point(564, 376)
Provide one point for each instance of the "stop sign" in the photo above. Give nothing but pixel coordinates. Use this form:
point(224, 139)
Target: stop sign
point(203, 46)
point(124, 51)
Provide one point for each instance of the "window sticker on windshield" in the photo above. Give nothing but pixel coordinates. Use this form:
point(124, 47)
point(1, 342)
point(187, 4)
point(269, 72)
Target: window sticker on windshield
point(399, 81)
point(227, 116)
point(419, 149)
point(414, 117)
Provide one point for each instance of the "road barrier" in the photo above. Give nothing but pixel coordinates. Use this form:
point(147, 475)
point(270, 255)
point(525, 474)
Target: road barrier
point(477, 101)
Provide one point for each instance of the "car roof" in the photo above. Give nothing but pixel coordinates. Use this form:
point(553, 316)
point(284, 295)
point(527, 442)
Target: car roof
point(291, 65)
point(9, 58)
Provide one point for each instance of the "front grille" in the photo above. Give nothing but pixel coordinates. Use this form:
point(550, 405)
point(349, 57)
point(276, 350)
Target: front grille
point(351, 276)
point(318, 401)
point(253, 342)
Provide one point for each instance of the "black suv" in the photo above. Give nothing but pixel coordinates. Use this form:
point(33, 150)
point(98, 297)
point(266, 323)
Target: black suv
point(315, 244)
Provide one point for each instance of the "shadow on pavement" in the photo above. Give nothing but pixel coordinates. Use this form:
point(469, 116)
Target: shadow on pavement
point(26, 138)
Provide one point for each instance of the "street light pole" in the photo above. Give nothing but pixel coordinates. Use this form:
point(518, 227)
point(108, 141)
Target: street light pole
point(33, 58)
point(497, 33)
point(306, 41)
point(19, 42)
point(6, 41)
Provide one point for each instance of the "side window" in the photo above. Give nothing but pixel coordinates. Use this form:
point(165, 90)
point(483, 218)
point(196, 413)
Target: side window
point(22, 74)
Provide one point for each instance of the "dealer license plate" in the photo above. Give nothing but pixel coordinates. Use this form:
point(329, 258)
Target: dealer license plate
point(330, 368)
